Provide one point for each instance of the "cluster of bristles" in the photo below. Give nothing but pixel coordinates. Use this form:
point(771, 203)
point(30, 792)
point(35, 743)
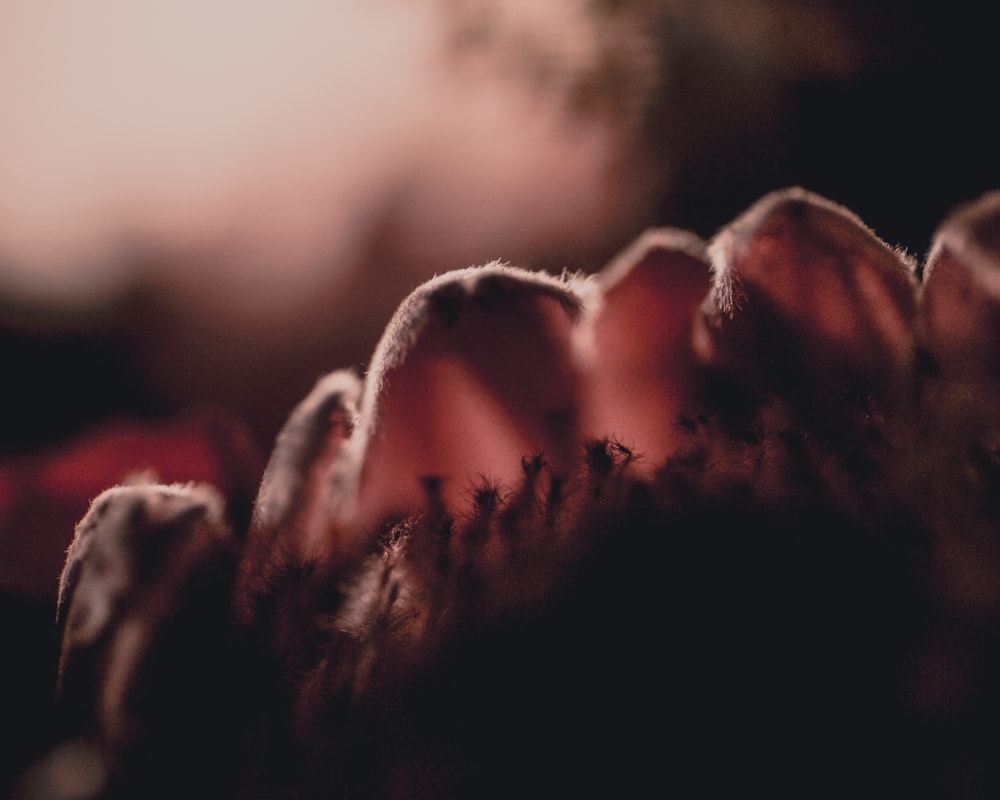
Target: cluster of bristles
point(438, 572)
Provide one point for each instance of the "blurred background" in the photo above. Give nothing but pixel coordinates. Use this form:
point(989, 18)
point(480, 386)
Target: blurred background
point(205, 205)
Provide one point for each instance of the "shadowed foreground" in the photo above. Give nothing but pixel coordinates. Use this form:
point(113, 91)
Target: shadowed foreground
point(720, 517)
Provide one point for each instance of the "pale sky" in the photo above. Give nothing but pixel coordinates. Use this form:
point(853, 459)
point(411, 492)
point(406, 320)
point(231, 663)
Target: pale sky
point(273, 135)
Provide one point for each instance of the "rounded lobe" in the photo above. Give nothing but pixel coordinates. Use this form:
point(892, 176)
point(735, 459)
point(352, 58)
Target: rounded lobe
point(473, 375)
point(810, 267)
point(960, 299)
point(642, 368)
point(293, 519)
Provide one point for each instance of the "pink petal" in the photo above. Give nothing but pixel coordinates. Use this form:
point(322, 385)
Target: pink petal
point(957, 436)
point(473, 374)
point(640, 349)
point(294, 511)
point(804, 275)
point(808, 336)
point(960, 304)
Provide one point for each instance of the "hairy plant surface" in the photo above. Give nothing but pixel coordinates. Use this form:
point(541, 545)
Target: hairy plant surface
point(722, 516)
